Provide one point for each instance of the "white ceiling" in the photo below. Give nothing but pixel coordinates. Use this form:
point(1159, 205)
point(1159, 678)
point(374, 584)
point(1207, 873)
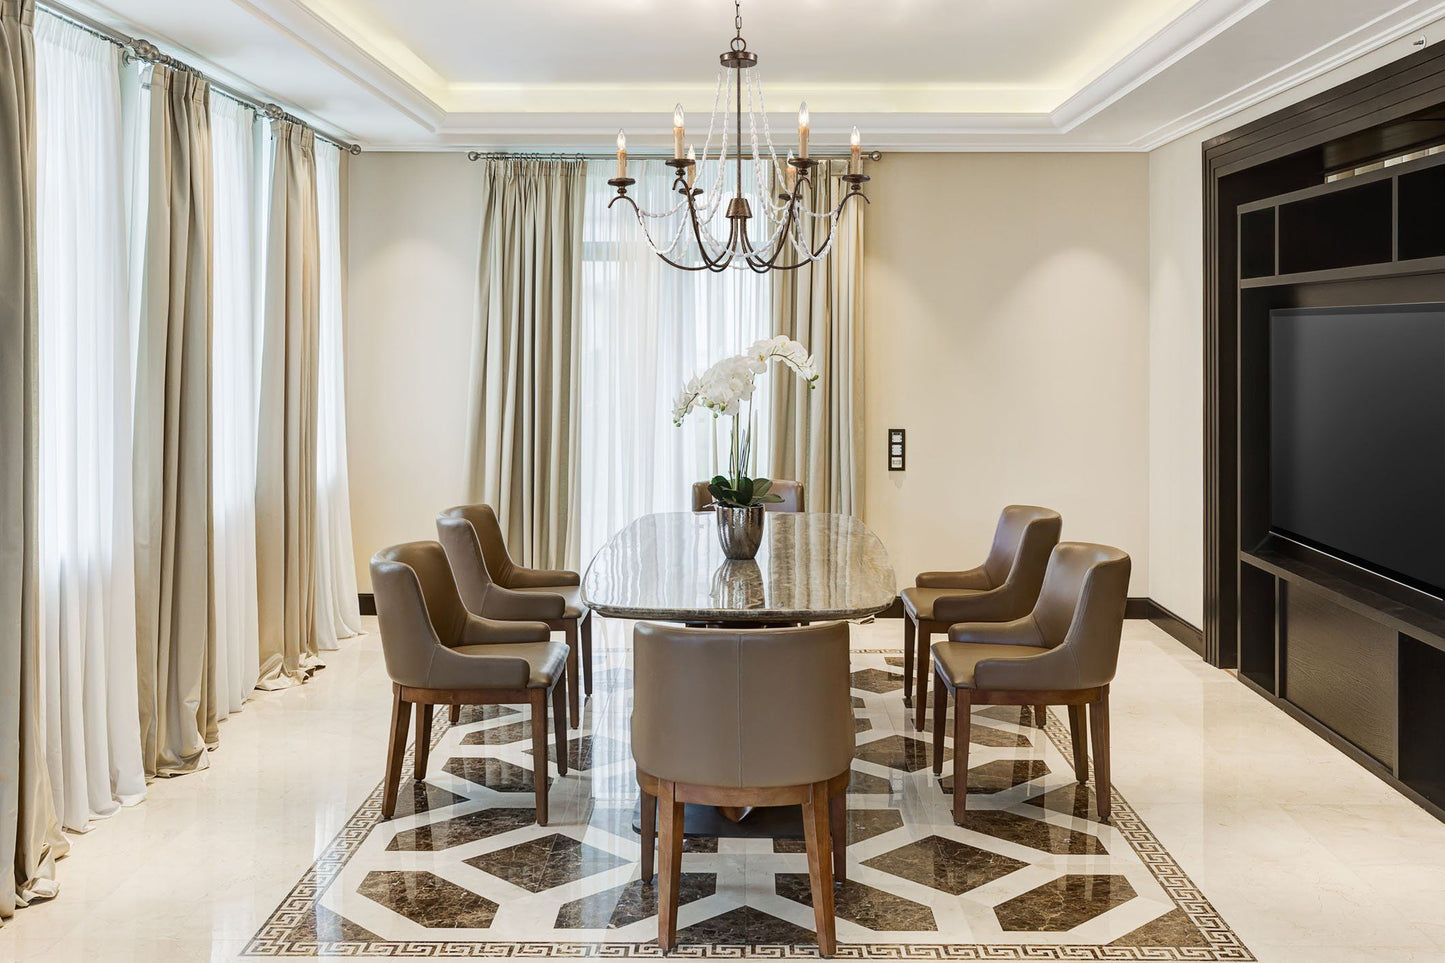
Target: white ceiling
point(914, 74)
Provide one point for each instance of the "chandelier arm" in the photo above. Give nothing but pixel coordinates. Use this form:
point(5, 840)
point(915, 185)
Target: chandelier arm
point(702, 250)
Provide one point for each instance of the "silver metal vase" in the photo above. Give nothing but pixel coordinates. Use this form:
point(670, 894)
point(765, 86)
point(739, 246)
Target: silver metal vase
point(739, 530)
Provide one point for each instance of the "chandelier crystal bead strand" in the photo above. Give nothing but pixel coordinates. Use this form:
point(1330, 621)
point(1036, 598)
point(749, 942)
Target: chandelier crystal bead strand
point(781, 189)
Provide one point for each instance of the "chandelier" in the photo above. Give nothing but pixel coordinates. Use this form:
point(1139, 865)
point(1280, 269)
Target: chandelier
point(790, 222)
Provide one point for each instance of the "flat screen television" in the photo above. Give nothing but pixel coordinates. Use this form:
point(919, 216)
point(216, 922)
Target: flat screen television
point(1357, 436)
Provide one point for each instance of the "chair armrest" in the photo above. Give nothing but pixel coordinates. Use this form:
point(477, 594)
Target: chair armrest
point(455, 670)
point(541, 578)
point(509, 606)
point(1024, 631)
point(1055, 669)
point(1001, 604)
point(974, 578)
point(480, 631)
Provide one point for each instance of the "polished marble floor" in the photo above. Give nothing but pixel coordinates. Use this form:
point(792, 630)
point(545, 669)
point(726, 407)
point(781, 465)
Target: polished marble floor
point(1296, 853)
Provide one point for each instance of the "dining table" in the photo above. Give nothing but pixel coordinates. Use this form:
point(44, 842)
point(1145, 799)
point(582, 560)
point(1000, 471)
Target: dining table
point(810, 567)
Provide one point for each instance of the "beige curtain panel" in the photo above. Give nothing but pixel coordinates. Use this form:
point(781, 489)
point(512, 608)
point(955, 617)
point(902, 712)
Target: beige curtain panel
point(524, 372)
point(286, 424)
point(175, 614)
point(818, 433)
point(30, 837)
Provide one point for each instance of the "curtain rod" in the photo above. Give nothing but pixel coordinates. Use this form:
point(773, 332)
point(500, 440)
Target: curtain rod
point(144, 50)
point(476, 155)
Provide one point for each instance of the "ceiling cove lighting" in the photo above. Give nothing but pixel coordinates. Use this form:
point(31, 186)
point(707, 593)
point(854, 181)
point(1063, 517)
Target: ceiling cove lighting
point(790, 225)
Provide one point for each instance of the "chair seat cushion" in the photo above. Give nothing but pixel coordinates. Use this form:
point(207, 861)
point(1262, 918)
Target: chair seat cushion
point(571, 597)
point(919, 601)
point(547, 660)
point(957, 660)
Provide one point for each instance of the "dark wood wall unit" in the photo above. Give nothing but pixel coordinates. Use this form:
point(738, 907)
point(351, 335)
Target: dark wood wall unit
point(1354, 656)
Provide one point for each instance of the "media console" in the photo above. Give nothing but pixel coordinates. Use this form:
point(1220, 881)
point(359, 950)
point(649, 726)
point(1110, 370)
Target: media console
point(1352, 653)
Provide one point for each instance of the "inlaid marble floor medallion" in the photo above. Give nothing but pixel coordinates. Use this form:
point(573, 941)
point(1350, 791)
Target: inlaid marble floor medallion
point(464, 871)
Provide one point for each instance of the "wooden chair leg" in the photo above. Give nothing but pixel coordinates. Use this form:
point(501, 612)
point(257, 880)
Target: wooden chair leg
point(1099, 733)
point(456, 715)
point(649, 835)
point(574, 691)
point(539, 752)
point(1079, 735)
point(423, 741)
point(669, 813)
point(962, 713)
point(940, 713)
point(818, 835)
point(908, 633)
point(395, 751)
point(838, 820)
point(1041, 716)
point(559, 722)
point(587, 655)
point(924, 664)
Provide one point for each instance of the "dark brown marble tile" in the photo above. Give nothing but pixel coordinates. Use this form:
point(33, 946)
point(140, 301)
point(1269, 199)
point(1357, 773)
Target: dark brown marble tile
point(1076, 800)
point(894, 660)
point(463, 829)
point(1033, 833)
point(945, 864)
point(862, 824)
point(745, 926)
point(868, 907)
point(1174, 928)
point(1014, 714)
point(420, 797)
point(585, 752)
point(876, 680)
point(623, 905)
point(866, 782)
point(540, 864)
point(320, 925)
point(497, 775)
point(1063, 903)
point(499, 735)
point(427, 899)
point(858, 702)
point(998, 738)
point(904, 753)
point(999, 775)
point(861, 725)
point(472, 714)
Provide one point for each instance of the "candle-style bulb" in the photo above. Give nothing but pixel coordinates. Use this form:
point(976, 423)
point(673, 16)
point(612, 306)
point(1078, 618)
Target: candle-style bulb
point(678, 132)
point(621, 140)
point(803, 114)
point(677, 116)
point(855, 140)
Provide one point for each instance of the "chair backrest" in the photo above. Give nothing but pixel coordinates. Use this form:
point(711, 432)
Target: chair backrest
point(417, 607)
point(1082, 606)
point(1022, 541)
point(460, 531)
point(486, 534)
point(790, 491)
point(749, 708)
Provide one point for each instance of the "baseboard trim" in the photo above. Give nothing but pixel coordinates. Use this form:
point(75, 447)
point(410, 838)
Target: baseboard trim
point(367, 601)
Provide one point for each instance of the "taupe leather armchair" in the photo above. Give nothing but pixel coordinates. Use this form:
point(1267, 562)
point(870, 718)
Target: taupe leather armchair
point(1063, 653)
point(791, 493)
point(437, 653)
point(494, 586)
point(738, 718)
point(1004, 587)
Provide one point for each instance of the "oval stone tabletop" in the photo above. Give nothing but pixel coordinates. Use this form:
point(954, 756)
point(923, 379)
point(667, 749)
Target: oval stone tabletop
point(811, 567)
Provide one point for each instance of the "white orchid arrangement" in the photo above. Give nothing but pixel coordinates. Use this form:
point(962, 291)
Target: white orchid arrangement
point(724, 389)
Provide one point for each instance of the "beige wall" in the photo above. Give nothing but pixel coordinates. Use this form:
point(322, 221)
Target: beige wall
point(411, 283)
point(1007, 314)
point(1007, 321)
point(1176, 343)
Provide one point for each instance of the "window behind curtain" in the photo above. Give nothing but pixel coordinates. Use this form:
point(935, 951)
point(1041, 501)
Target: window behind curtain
point(647, 328)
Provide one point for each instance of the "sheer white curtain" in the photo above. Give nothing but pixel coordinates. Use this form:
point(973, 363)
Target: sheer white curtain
point(337, 613)
point(235, 260)
point(646, 328)
point(87, 612)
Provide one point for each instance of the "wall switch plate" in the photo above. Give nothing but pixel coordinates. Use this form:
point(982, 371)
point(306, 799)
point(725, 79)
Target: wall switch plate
point(895, 449)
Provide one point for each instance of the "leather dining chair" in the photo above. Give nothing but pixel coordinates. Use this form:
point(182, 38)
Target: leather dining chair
point(736, 718)
point(438, 653)
point(495, 587)
point(791, 493)
point(1004, 587)
point(1064, 652)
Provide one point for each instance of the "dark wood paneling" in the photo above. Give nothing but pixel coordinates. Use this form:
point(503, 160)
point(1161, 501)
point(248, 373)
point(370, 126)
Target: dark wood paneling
point(1340, 668)
point(367, 601)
